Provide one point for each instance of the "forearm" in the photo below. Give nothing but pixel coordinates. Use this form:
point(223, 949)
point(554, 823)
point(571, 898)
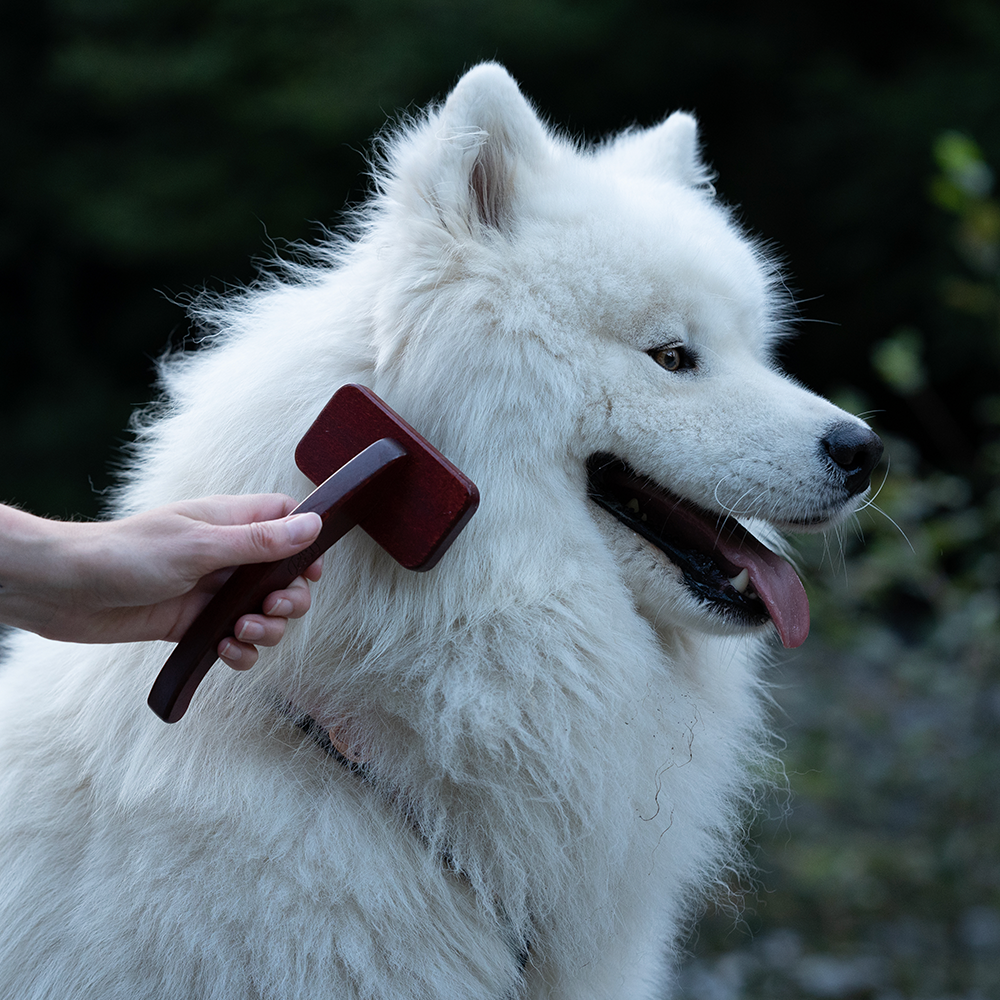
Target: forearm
point(37, 569)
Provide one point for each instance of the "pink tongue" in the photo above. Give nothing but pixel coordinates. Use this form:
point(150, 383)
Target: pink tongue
point(774, 580)
point(776, 583)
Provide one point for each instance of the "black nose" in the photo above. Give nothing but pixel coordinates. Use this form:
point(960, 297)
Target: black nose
point(855, 451)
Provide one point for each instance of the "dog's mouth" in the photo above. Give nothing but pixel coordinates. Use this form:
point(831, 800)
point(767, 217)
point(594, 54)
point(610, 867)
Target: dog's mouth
point(724, 565)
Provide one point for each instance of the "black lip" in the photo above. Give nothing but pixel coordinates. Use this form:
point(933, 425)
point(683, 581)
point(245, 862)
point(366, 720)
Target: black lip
point(704, 573)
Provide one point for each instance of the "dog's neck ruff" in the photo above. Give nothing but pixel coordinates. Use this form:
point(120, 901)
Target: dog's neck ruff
point(334, 739)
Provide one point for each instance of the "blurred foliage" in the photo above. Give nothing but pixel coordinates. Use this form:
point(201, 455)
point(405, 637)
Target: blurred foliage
point(151, 148)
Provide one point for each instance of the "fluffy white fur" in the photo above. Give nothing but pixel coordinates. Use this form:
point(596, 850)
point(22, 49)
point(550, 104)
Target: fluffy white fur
point(565, 722)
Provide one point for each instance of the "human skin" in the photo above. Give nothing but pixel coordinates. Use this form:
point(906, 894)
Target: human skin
point(148, 576)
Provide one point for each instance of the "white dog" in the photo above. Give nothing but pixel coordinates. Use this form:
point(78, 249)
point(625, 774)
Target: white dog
point(511, 776)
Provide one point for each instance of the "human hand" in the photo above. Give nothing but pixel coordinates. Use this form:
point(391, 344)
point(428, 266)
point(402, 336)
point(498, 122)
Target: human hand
point(149, 576)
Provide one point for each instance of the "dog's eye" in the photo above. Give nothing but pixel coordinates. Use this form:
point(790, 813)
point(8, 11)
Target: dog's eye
point(674, 359)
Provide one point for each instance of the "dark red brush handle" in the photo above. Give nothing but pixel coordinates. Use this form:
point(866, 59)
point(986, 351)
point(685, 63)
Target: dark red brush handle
point(341, 502)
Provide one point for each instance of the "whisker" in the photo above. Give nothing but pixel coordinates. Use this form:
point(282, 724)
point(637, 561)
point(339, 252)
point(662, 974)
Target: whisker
point(870, 504)
point(875, 507)
point(870, 501)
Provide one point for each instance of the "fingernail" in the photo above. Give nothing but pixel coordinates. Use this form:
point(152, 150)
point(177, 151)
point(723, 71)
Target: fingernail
point(230, 651)
point(251, 632)
point(301, 527)
point(282, 609)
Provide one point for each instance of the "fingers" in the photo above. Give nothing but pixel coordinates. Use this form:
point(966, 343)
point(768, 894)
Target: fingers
point(293, 602)
point(239, 651)
point(236, 509)
point(233, 530)
point(238, 655)
point(315, 571)
point(267, 541)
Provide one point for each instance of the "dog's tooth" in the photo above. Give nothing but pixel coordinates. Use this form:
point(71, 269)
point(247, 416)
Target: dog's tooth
point(741, 581)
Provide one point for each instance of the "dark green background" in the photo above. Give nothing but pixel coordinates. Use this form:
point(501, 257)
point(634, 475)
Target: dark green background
point(154, 148)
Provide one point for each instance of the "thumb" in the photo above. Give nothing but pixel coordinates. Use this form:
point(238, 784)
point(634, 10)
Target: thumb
point(267, 541)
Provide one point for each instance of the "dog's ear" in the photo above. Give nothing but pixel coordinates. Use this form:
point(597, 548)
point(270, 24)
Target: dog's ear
point(483, 139)
point(669, 150)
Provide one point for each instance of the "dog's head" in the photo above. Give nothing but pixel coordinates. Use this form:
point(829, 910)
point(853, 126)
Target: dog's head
point(600, 317)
